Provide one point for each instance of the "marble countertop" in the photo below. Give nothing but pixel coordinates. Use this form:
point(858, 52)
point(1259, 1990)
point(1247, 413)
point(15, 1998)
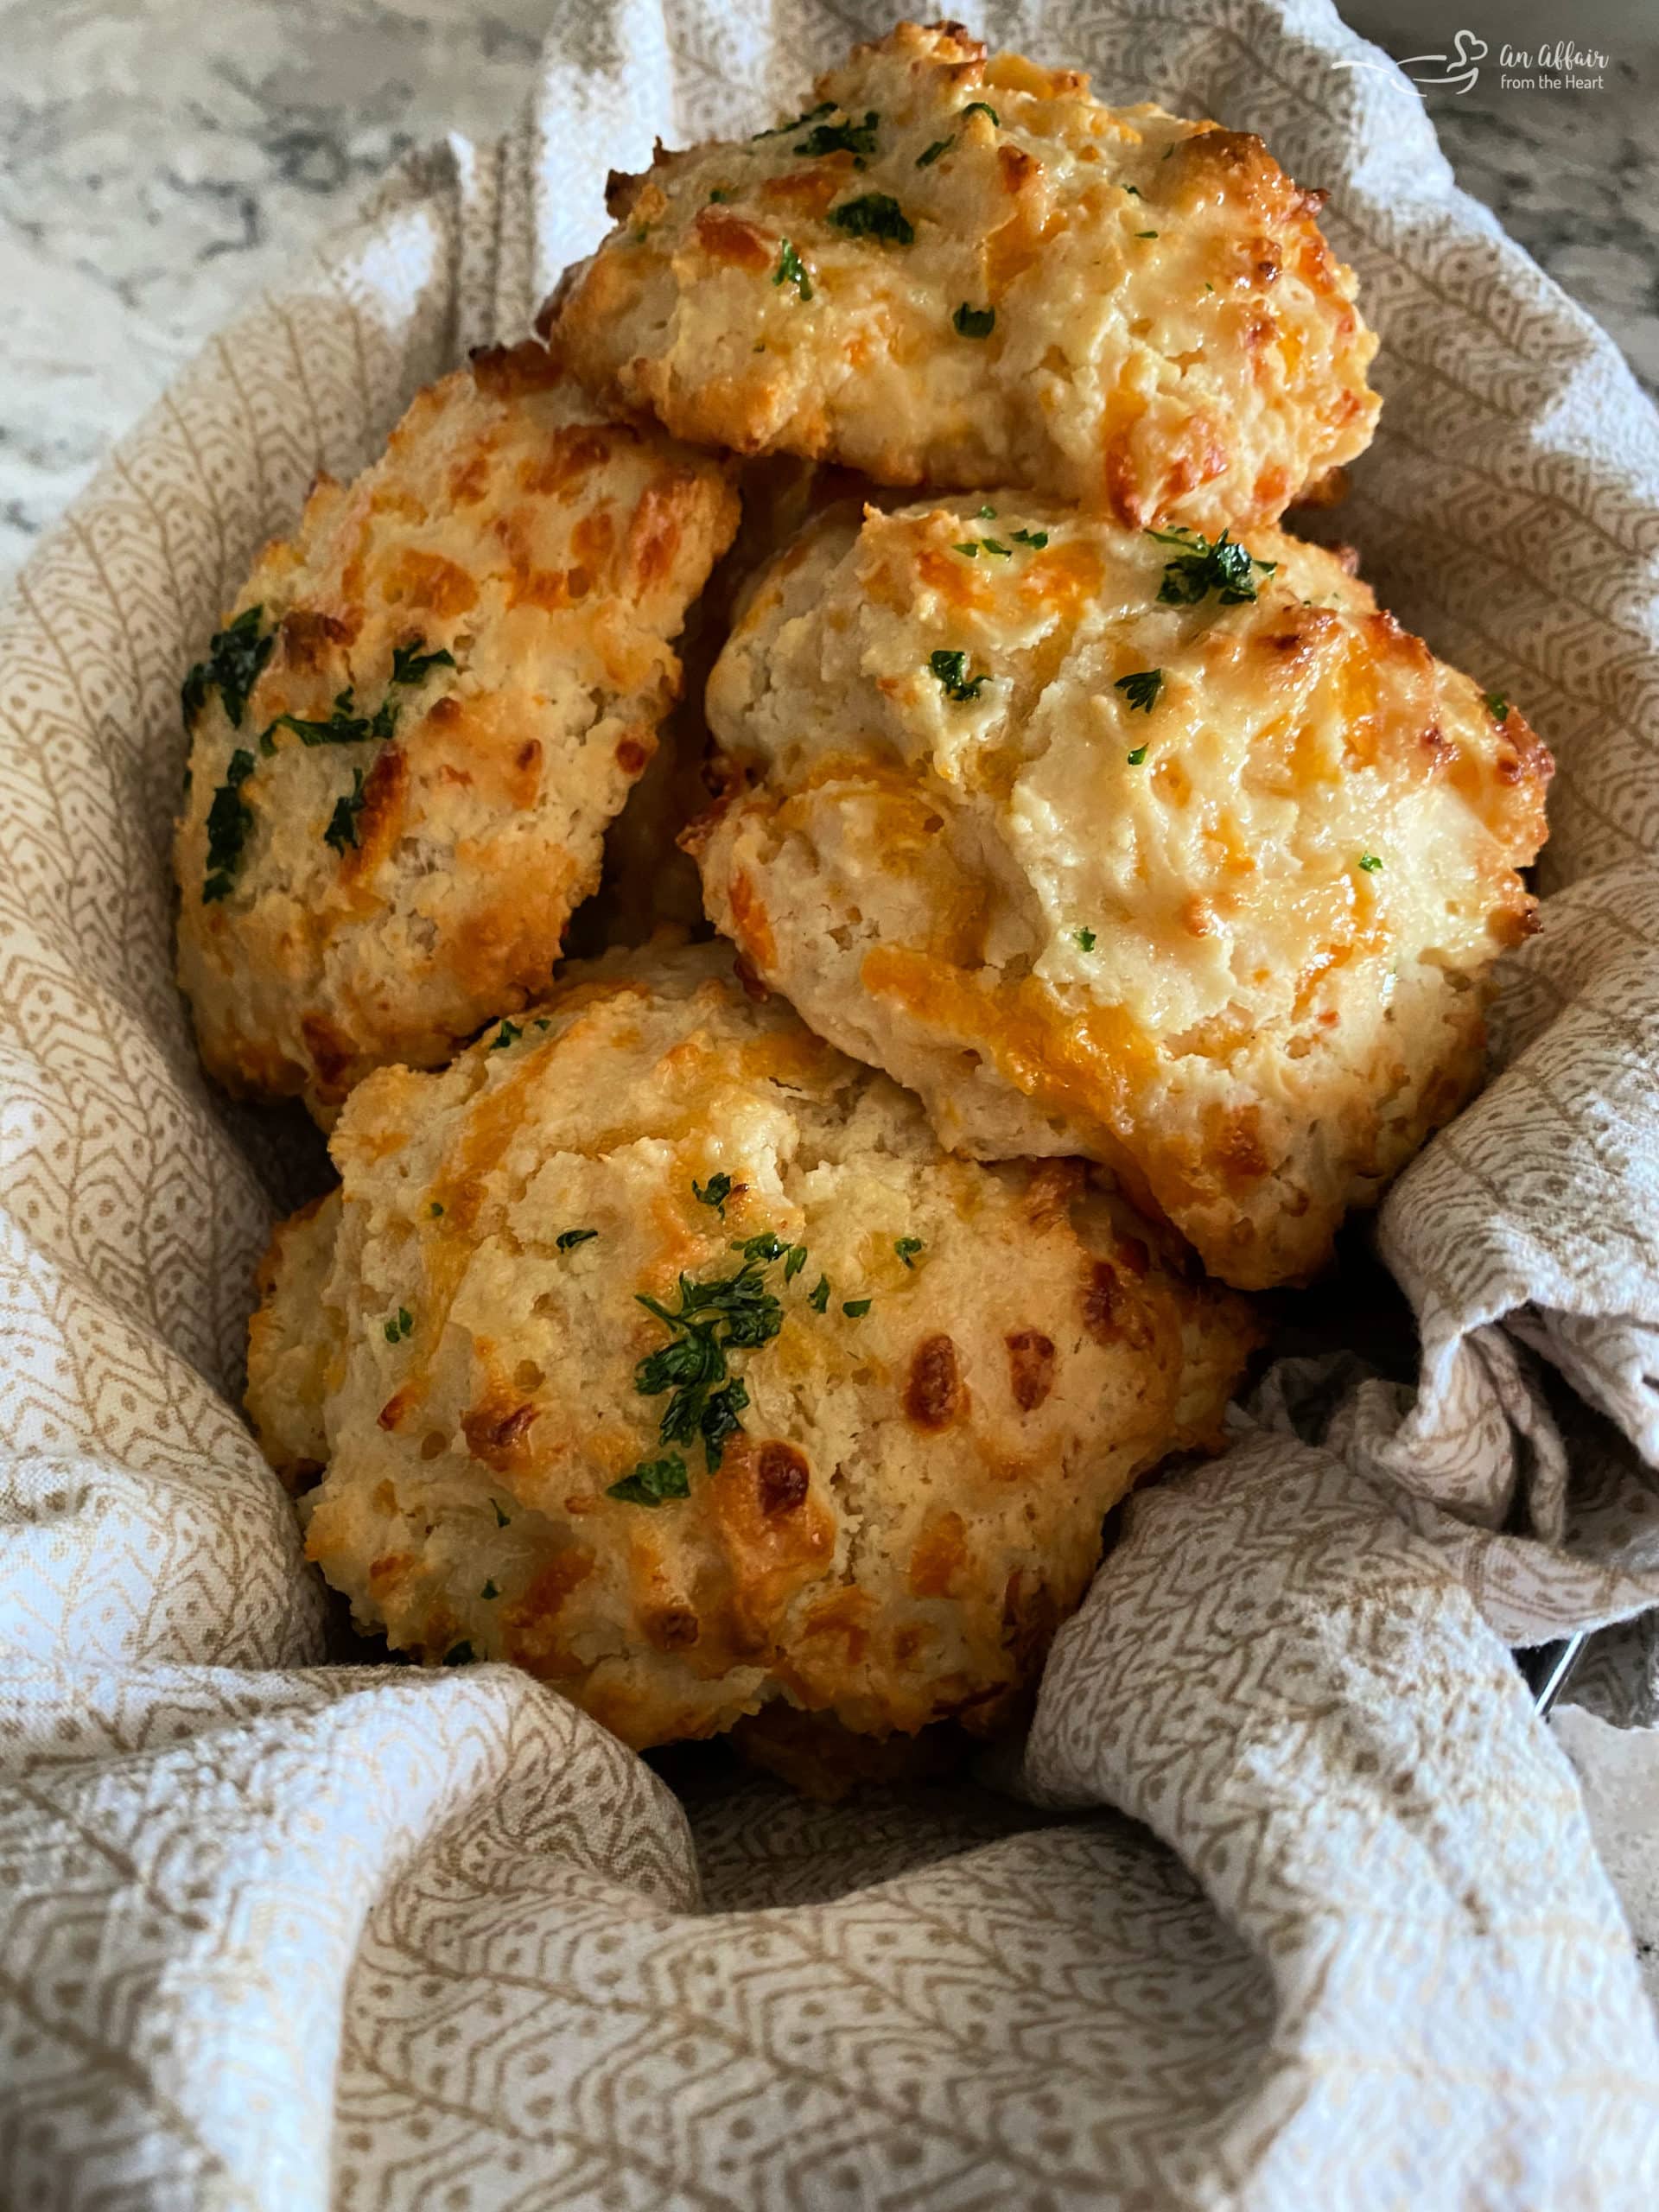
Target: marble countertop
point(161, 159)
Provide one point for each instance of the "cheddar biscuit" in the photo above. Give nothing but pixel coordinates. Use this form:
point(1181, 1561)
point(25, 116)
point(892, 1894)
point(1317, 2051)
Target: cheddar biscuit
point(1176, 853)
point(421, 713)
point(661, 1352)
point(963, 272)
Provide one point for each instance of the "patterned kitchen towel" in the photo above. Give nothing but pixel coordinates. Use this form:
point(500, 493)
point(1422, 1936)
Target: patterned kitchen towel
point(1288, 1901)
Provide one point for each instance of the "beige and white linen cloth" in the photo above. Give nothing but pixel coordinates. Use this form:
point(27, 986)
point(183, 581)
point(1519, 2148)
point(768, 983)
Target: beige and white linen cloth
point(1289, 1901)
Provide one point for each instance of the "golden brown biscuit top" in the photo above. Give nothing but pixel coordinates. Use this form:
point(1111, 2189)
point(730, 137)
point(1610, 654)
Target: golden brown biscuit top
point(664, 1353)
point(421, 713)
point(1099, 812)
point(967, 272)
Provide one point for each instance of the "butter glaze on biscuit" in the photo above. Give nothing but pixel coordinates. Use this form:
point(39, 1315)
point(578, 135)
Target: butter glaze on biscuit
point(961, 272)
point(970, 1365)
point(374, 884)
point(1206, 891)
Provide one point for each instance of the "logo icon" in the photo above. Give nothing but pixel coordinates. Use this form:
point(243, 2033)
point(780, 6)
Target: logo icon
point(1460, 70)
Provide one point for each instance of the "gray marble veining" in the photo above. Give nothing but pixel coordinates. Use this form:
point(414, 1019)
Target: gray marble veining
point(161, 159)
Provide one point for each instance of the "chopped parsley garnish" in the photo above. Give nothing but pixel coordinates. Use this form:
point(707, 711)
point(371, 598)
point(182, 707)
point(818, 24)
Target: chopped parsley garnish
point(435, 1210)
point(401, 1325)
point(926, 159)
point(714, 1192)
point(731, 1314)
point(996, 545)
point(1141, 689)
point(907, 1247)
point(1497, 706)
point(235, 656)
point(489, 1590)
point(825, 107)
point(985, 514)
point(411, 665)
point(792, 269)
point(1035, 538)
point(951, 669)
point(501, 1518)
point(981, 107)
point(974, 323)
point(794, 1263)
point(344, 727)
point(818, 1298)
point(1369, 862)
point(459, 1655)
point(508, 1034)
point(229, 820)
point(568, 1239)
point(856, 1308)
point(1135, 758)
point(653, 1481)
point(1133, 191)
point(842, 137)
point(873, 215)
point(1087, 940)
point(1146, 234)
point(718, 199)
point(342, 823)
point(968, 547)
point(1200, 568)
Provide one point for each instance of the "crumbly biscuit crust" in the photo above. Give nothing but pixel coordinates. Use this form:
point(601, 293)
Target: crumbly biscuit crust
point(970, 1365)
point(472, 644)
point(964, 271)
point(1204, 891)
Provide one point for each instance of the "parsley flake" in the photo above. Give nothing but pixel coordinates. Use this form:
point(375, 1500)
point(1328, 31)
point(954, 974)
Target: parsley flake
point(968, 547)
point(842, 137)
point(1035, 538)
point(792, 269)
point(489, 1590)
point(1200, 568)
point(733, 1312)
point(344, 726)
point(435, 1210)
point(400, 1326)
point(1133, 191)
point(996, 545)
point(411, 665)
point(818, 1298)
point(342, 832)
point(782, 129)
point(653, 1481)
point(1146, 234)
point(856, 1308)
point(873, 215)
point(1497, 706)
point(229, 820)
point(794, 1263)
point(985, 514)
point(907, 1247)
point(508, 1034)
point(1135, 758)
point(501, 1519)
point(714, 1192)
point(1086, 940)
point(981, 107)
point(235, 656)
point(719, 198)
point(974, 323)
point(952, 671)
point(568, 1239)
point(1369, 862)
point(926, 159)
point(1141, 689)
